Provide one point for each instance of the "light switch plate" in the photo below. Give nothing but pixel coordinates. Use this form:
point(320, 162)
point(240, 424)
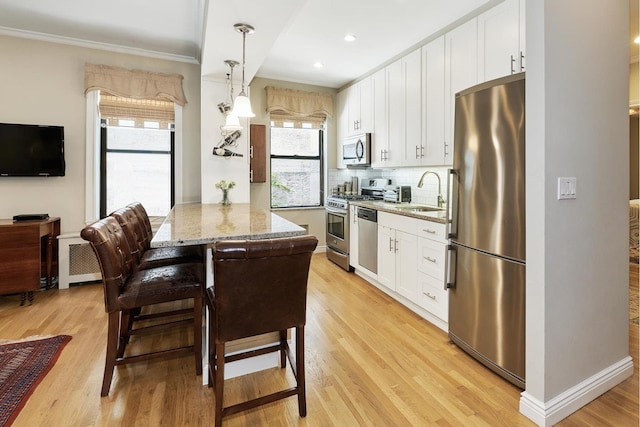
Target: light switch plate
point(567, 188)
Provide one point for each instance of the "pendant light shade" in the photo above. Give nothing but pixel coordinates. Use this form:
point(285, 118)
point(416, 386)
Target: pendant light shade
point(232, 123)
point(242, 104)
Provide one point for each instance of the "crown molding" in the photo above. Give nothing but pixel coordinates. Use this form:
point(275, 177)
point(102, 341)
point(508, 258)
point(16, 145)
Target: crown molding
point(33, 35)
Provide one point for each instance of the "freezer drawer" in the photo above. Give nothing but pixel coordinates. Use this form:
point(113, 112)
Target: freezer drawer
point(487, 310)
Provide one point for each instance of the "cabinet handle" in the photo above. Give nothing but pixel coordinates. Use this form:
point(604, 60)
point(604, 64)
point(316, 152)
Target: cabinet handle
point(417, 155)
point(521, 61)
point(513, 62)
point(422, 151)
point(426, 230)
point(390, 247)
point(433, 297)
point(251, 151)
point(395, 246)
point(430, 259)
point(446, 153)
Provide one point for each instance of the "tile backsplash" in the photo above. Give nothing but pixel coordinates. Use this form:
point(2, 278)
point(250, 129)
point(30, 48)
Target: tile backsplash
point(427, 195)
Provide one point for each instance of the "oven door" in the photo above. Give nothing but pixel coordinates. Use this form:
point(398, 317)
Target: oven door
point(338, 230)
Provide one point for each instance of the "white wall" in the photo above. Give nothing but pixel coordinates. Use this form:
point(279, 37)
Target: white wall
point(577, 271)
point(216, 168)
point(43, 83)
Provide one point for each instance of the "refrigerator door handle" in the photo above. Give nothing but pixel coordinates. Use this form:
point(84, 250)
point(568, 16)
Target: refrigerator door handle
point(452, 252)
point(452, 203)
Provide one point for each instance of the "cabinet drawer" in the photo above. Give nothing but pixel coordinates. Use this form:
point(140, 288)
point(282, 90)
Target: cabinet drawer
point(433, 297)
point(432, 258)
point(432, 230)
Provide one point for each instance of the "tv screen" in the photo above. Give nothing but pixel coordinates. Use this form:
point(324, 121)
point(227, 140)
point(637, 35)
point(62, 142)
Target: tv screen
point(31, 150)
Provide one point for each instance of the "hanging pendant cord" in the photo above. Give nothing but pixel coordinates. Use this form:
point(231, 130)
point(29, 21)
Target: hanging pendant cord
point(244, 38)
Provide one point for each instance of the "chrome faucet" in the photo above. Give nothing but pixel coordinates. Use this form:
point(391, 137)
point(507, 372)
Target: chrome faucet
point(441, 200)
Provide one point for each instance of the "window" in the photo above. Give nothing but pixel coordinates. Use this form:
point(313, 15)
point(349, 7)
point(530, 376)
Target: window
point(136, 155)
point(296, 165)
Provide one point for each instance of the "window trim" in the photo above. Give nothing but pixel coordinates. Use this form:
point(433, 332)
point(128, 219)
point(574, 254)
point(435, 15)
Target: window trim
point(92, 156)
point(319, 157)
point(103, 159)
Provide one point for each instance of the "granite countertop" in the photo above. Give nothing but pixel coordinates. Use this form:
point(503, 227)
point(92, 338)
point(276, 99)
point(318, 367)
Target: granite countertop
point(406, 209)
point(201, 224)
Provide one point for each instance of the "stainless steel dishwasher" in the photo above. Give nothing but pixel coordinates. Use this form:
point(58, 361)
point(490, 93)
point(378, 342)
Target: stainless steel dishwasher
point(368, 238)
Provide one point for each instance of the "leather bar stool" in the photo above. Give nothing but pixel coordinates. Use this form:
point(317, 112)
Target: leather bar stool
point(128, 289)
point(260, 286)
point(153, 257)
point(139, 239)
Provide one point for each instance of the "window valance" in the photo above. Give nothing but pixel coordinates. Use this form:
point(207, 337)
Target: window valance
point(136, 84)
point(298, 103)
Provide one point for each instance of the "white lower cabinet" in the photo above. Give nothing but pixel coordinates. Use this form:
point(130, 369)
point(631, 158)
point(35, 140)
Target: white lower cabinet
point(412, 263)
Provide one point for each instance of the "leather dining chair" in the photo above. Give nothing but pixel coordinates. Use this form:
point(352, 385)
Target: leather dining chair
point(135, 222)
point(127, 289)
point(260, 286)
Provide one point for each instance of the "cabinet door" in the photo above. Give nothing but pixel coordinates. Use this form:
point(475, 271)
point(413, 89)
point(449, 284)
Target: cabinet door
point(342, 126)
point(498, 41)
point(379, 137)
point(395, 113)
point(433, 106)
point(258, 151)
point(353, 237)
point(460, 73)
point(407, 284)
point(433, 297)
point(412, 107)
point(353, 106)
point(386, 257)
point(366, 105)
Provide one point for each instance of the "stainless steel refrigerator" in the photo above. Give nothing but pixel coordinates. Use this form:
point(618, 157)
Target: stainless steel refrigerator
point(487, 252)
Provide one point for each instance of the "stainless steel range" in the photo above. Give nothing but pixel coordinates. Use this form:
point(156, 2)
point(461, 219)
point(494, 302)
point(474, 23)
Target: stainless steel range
point(337, 208)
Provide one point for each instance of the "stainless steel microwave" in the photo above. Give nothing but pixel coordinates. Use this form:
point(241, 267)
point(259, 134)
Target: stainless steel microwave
point(356, 150)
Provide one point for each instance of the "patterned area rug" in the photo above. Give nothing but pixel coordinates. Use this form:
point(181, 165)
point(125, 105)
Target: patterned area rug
point(23, 364)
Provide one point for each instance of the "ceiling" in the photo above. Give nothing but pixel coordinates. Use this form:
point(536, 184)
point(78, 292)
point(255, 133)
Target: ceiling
point(290, 35)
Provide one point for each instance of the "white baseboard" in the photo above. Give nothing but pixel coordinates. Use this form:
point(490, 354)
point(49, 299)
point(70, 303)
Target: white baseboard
point(551, 412)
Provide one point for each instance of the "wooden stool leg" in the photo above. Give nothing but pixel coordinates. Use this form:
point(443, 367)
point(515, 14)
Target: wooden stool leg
point(126, 323)
point(283, 349)
point(112, 348)
point(219, 381)
point(300, 377)
point(197, 333)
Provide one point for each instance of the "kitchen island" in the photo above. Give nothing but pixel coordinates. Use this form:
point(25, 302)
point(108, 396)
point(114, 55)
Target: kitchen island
point(204, 224)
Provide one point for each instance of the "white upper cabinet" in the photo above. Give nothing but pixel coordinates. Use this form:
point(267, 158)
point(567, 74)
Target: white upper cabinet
point(380, 136)
point(433, 105)
point(342, 125)
point(395, 114)
point(413, 150)
point(501, 40)
point(360, 107)
point(461, 47)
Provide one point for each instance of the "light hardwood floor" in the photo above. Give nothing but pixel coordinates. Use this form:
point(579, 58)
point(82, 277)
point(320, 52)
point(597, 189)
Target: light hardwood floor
point(370, 362)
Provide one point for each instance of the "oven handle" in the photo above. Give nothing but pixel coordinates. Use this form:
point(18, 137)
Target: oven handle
point(336, 211)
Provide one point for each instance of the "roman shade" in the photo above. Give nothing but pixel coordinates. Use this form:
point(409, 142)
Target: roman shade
point(297, 107)
point(135, 84)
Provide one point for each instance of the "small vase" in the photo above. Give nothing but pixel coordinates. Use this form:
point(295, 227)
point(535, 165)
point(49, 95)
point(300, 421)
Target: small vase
point(225, 197)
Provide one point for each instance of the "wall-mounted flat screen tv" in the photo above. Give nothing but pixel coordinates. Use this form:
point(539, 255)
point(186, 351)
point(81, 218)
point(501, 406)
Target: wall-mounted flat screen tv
point(31, 150)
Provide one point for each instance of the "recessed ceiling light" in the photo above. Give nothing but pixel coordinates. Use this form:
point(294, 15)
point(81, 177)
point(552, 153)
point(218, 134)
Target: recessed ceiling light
point(349, 38)
point(637, 40)
point(318, 64)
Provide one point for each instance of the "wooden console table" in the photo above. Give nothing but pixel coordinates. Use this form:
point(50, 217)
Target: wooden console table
point(24, 247)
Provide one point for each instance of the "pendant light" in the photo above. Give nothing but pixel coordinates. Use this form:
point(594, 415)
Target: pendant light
point(232, 122)
point(242, 105)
